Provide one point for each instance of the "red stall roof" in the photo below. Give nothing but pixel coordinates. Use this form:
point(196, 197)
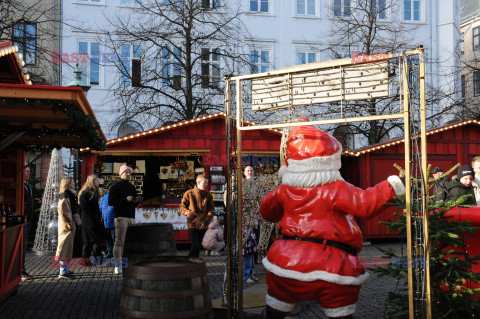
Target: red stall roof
point(43, 115)
point(375, 147)
point(169, 127)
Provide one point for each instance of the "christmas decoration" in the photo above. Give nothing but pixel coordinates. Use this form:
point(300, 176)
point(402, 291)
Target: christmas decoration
point(450, 265)
point(316, 258)
point(82, 125)
point(46, 235)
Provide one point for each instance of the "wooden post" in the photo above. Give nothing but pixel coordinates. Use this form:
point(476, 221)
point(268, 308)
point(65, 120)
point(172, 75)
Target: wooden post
point(425, 194)
point(239, 194)
point(408, 209)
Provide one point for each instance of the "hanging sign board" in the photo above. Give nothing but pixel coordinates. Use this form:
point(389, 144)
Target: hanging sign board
point(353, 82)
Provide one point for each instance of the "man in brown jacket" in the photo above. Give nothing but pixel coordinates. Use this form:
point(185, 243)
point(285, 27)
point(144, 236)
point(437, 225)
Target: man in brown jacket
point(197, 205)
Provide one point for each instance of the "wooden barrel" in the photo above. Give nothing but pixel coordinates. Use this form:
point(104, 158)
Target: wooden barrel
point(166, 287)
point(148, 240)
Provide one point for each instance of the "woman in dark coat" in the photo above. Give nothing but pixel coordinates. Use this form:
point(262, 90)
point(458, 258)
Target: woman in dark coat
point(92, 228)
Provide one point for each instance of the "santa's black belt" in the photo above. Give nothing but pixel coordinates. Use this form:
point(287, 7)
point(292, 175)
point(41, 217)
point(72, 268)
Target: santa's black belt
point(346, 248)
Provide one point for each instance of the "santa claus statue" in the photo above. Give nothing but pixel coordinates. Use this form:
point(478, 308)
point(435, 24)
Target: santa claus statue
point(316, 258)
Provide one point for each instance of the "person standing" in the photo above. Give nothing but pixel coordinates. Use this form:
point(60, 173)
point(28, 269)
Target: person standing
point(197, 205)
point(252, 202)
point(108, 216)
point(462, 185)
point(28, 213)
point(92, 228)
point(476, 179)
point(124, 198)
point(66, 229)
point(440, 184)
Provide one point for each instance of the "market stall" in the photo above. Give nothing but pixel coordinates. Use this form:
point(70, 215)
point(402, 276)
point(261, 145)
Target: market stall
point(32, 117)
point(166, 161)
point(446, 146)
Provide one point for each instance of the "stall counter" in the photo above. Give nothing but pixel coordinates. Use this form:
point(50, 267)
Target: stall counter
point(165, 215)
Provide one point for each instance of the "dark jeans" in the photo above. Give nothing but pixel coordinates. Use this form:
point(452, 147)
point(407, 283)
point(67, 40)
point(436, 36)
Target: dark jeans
point(88, 247)
point(196, 237)
point(26, 232)
point(110, 241)
point(248, 266)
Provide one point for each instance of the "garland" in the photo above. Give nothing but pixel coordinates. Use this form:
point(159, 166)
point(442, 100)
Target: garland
point(82, 126)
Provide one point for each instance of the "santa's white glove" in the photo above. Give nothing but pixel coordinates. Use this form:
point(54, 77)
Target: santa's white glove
point(397, 185)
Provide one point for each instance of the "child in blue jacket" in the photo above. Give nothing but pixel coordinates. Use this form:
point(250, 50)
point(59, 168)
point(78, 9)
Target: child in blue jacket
point(108, 220)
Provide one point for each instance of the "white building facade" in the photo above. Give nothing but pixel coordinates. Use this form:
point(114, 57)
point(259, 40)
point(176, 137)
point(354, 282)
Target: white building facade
point(280, 33)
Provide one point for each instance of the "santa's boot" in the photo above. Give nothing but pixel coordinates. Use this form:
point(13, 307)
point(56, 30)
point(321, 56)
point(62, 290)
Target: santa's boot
point(270, 313)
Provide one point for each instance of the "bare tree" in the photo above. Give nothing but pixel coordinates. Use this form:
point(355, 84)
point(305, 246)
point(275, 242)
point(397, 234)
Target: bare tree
point(363, 30)
point(181, 50)
point(34, 26)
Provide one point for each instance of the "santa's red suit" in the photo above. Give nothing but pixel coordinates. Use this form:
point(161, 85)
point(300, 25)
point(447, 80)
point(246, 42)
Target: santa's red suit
point(315, 208)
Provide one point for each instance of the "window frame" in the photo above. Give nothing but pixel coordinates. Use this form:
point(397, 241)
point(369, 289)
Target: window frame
point(90, 2)
point(342, 9)
point(476, 37)
point(131, 3)
point(420, 13)
point(386, 10)
point(174, 69)
point(207, 81)
point(259, 57)
point(23, 40)
point(476, 83)
point(87, 70)
point(316, 9)
point(133, 54)
point(211, 4)
point(463, 85)
point(306, 50)
point(343, 52)
point(259, 6)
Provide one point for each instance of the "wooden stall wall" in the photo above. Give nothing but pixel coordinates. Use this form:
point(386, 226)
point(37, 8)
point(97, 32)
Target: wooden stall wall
point(444, 149)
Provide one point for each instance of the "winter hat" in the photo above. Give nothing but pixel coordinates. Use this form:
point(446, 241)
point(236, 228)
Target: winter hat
point(436, 170)
point(313, 158)
point(464, 171)
point(123, 168)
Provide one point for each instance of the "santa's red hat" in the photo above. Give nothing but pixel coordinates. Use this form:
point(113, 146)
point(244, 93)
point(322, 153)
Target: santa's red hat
point(313, 157)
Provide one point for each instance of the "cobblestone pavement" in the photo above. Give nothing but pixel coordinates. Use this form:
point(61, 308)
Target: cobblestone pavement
point(96, 291)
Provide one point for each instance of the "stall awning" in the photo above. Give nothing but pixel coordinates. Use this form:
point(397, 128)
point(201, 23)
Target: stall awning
point(151, 152)
point(48, 116)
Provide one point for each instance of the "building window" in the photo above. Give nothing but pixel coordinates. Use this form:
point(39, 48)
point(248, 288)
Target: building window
point(476, 83)
point(306, 7)
point(210, 68)
point(476, 38)
point(131, 65)
point(177, 3)
point(260, 61)
point(210, 4)
point(171, 67)
point(411, 10)
point(341, 53)
point(461, 44)
point(131, 2)
point(341, 8)
point(303, 57)
point(462, 83)
point(25, 37)
point(92, 66)
point(379, 8)
point(258, 5)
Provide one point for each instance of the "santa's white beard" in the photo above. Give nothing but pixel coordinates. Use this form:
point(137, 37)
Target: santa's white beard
point(313, 171)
